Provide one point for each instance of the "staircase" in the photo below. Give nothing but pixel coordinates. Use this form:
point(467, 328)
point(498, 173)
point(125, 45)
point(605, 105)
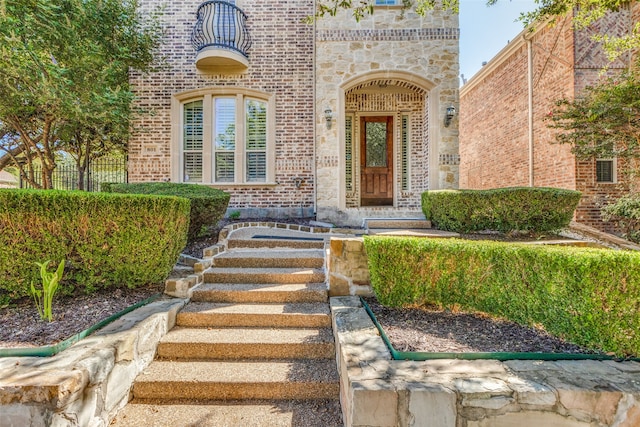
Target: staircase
point(254, 347)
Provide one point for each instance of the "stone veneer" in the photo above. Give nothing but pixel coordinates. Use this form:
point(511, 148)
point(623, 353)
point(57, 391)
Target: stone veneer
point(376, 391)
point(386, 64)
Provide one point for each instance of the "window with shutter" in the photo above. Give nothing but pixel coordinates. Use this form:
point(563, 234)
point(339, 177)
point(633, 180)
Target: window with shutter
point(192, 141)
point(348, 152)
point(225, 137)
point(404, 138)
point(256, 140)
point(606, 171)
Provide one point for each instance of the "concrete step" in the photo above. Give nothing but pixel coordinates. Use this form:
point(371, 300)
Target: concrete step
point(304, 315)
point(299, 379)
point(287, 413)
point(260, 293)
point(316, 243)
point(233, 343)
point(301, 258)
point(399, 223)
point(263, 275)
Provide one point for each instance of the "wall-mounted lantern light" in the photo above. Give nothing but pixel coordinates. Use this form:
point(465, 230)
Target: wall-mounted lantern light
point(451, 111)
point(328, 116)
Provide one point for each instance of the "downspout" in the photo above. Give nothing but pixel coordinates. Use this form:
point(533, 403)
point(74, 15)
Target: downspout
point(530, 106)
point(315, 118)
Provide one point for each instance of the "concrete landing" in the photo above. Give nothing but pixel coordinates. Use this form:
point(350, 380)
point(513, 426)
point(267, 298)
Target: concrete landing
point(413, 233)
point(397, 223)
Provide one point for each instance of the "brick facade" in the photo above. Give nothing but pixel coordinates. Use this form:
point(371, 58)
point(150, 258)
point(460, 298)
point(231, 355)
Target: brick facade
point(304, 69)
point(281, 64)
point(504, 135)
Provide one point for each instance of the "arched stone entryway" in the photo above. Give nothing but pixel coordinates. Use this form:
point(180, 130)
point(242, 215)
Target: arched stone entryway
point(387, 140)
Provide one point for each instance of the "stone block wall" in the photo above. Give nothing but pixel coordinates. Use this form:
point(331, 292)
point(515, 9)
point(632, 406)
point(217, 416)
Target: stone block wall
point(495, 134)
point(88, 383)
point(377, 391)
point(348, 272)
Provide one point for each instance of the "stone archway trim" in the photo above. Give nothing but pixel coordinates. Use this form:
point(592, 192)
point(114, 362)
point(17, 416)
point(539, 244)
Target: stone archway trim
point(414, 80)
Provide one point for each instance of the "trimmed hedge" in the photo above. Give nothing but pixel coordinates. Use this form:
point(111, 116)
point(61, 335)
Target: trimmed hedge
point(106, 240)
point(503, 209)
point(588, 296)
point(208, 205)
point(624, 213)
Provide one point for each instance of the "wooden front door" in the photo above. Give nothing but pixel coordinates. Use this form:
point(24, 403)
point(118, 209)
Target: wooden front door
point(376, 161)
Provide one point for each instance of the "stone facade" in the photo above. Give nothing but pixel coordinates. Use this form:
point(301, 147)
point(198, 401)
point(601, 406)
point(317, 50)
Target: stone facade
point(388, 64)
point(504, 135)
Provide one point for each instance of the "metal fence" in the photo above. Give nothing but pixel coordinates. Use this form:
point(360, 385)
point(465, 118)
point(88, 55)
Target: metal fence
point(66, 176)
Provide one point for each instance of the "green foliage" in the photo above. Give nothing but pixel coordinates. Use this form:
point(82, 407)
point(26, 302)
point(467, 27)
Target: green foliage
point(234, 215)
point(502, 209)
point(604, 122)
point(50, 282)
point(625, 214)
point(208, 205)
point(587, 296)
point(65, 77)
point(107, 240)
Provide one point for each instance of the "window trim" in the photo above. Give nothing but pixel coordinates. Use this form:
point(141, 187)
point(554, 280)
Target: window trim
point(614, 171)
point(397, 3)
point(207, 95)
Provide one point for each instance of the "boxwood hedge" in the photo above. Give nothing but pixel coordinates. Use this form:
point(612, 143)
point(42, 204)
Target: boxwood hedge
point(503, 209)
point(106, 240)
point(588, 296)
point(208, 205)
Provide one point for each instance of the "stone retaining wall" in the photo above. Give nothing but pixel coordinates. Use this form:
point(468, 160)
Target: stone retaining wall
point(89, 382)
point(348, 273)
point(376, 391)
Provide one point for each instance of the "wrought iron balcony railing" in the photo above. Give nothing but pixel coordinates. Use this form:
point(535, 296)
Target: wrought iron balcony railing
point(221, 25)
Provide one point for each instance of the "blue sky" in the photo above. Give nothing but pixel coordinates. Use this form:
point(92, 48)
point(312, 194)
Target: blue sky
point(485, 31)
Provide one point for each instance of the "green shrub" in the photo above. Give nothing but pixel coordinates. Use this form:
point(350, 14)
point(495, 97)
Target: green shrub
point(208, 205)
point(588, 296)
point(624, 213)
point(502, 209)
point(107, 240)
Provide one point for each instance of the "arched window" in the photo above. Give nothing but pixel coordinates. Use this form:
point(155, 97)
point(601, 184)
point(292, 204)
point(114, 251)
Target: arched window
point(224, 137)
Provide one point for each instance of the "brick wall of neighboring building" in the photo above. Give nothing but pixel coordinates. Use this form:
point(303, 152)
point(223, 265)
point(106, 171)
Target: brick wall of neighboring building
point(494, 114)
point(280, 63)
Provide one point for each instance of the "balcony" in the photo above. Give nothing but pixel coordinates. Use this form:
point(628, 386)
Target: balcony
point(220, 38)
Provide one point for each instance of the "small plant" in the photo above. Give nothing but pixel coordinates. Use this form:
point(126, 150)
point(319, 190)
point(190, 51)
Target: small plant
point(234, 215)
point(50, 282)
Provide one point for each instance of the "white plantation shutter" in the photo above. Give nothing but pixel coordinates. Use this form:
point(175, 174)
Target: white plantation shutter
point(225, 139)
point(405, 152)
point(348, 153)
point(192, 141)
point(225, 167)
point(256, 140)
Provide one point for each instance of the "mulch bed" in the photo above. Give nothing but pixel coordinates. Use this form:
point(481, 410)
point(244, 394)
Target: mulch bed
point(434, 330)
